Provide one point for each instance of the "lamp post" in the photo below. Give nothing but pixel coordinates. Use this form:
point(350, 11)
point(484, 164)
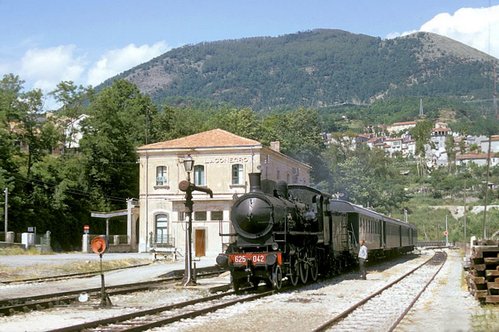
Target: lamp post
point(188, 188)
point(188, 166)
point(188, 279)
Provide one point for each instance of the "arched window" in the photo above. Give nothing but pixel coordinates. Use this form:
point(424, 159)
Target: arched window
point(237, 174)
point(162, 228)
point(161, 176)
point(199, 179)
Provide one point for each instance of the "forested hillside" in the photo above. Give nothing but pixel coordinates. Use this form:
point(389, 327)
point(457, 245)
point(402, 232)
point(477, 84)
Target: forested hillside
point(319, 68)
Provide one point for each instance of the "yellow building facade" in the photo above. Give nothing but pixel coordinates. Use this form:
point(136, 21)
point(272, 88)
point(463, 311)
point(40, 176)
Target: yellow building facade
point(222, 162)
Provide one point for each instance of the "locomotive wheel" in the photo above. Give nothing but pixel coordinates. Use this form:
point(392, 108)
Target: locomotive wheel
point(314, 270)
point(294, 276)
point(277, 277)
point(304, 269)
point(314, 265)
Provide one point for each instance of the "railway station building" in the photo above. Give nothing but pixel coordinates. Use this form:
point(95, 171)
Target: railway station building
point(222, 162)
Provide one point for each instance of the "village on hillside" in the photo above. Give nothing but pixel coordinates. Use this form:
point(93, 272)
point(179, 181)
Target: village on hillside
point(397, 141)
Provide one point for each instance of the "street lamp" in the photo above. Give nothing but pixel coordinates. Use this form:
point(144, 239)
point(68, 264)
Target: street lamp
point(188, 166)
point(188, 188)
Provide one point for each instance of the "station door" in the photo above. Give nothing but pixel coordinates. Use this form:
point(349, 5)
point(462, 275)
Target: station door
point(200, 242)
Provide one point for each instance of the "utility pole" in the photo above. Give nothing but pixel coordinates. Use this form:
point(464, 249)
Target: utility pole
point(484, 225)
point(446, 232)
point(494, 93)
point(6, 191)
point(464, 215)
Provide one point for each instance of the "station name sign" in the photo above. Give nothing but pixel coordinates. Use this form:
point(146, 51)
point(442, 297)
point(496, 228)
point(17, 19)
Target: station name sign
point(228, 160)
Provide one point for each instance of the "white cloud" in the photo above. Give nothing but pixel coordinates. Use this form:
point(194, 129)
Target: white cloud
point(116, 61)
point(475, 27)
point(45, 68)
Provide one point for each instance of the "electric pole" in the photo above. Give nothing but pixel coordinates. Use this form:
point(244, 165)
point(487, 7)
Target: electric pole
point(494, 93)
point(6, 191)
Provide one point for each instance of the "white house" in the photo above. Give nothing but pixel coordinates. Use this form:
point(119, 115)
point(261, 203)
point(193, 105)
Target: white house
point(222, 162)
point(393, 145)
point(479, 159)
point(494, 144)
point(400, 126)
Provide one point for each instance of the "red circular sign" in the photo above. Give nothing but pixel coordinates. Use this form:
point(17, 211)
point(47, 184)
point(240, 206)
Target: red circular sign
point(99, 245)
point(446, 233)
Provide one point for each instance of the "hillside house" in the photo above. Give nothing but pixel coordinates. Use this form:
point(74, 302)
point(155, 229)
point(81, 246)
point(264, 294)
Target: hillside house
point(400, 126)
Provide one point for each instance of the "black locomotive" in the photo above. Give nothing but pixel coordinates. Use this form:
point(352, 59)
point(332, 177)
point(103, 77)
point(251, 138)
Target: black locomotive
point(295, 233)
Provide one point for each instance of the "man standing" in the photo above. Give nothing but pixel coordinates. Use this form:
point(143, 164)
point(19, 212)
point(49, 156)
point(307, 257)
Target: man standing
point(362, 259)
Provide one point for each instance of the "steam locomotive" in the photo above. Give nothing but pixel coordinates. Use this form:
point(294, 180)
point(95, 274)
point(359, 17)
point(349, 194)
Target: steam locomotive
point(296, 233)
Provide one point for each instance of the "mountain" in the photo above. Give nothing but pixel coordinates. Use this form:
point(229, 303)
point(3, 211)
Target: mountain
point(317, 68)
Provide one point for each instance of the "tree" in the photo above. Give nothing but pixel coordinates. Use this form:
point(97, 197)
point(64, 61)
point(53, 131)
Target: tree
point(116, 126)
point(300, 135)
point(72, 99)
point(422, 134)
point(241, 122)
point(173, 123)
point(451, 152)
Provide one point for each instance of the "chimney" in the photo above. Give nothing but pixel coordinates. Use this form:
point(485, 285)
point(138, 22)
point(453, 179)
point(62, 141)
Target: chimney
point(255, 182)
point(276, 146)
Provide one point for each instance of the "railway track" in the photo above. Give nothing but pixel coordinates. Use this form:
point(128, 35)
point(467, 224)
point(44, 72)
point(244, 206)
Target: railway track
point(45, 301)
point(161, 316)
point(374, 312)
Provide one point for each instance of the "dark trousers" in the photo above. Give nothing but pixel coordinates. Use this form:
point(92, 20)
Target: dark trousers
point(362, 267)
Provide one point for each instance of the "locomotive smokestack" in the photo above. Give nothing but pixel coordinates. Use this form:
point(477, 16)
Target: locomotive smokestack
point(255, 182)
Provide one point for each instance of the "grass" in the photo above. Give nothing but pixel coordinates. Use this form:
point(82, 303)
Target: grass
point(47, 270)
point(21, 251)
point(487, 320)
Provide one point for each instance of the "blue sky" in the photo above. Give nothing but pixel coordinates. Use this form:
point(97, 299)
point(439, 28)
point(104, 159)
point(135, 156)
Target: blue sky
point(87, 41)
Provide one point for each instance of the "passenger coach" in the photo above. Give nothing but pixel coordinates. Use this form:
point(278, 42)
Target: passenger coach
point(383, 235)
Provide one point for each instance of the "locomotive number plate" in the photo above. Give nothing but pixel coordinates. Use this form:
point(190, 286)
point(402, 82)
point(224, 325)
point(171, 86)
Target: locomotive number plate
point(255, 258)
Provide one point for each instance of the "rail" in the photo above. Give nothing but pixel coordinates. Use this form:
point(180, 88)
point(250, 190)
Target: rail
point(438, 259)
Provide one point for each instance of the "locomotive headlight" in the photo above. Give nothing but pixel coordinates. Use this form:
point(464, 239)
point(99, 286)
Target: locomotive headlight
point(275, 246)
point(271, 259)
point(222, 260)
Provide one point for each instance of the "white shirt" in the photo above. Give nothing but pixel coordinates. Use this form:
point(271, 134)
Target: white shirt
point(363, 251)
